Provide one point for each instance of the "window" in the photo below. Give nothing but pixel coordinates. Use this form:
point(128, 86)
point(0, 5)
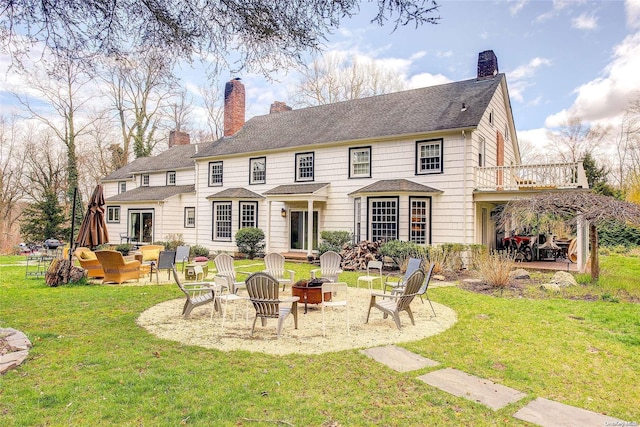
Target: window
point(248, 214)
point(357, 219)
point(482, 147)
point(215, 174)
point(189, 217)
point(258, 170)
point(145, 180)
point(171, 178)
point(360, 162)
point(113, 214)
point(419, 220)
point(491, 118)
point(222, 221)
point(304, 167)
point(429, 157)
point(383, 219)
point(122, 187)
point(506, 131)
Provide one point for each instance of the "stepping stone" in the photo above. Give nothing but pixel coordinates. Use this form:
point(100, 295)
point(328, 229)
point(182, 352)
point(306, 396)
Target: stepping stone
point(461, 384)
point(547, 413)
point(398, 358)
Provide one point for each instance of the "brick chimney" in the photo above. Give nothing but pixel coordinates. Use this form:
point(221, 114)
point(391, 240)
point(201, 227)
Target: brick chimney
point(233, 107)
point(178, 138)
point(487, 64)
point(278, 107)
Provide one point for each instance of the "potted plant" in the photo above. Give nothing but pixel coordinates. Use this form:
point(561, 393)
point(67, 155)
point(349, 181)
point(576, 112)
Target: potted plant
point(124, 248)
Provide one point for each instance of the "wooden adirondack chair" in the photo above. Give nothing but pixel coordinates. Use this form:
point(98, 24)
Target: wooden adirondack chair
point(263, 290)
point(274, 264)
point(392, 305)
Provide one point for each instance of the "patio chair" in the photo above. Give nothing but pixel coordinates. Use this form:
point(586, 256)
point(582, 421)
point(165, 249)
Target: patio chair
point(393, 305)
point(182, 255)
point(89, 261)
point(263, 292)
point(329, 266)
point(423, 289)
point(223, 298)
point(371, 277)
point(413, 265)
point(166, 260)
point(274, 264)
point(224, 265)
point(197, 293)
point(116, 269)
point(334, 295)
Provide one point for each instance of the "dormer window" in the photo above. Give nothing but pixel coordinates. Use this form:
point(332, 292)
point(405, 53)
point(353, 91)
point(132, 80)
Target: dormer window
point(145, 180)
point(171, 178)
point(122, 187)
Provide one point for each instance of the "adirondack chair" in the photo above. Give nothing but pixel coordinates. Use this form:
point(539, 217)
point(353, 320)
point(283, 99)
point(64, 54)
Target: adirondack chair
point(116, 269)
point(412, 265)
point(274, 264)
point(197, 293)
point(392, 305)
point(224, 265)
point(423, 289)
point(329, 266)
point(263, 290)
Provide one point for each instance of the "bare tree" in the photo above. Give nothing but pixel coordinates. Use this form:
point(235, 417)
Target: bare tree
point(338, 77)
point(266, 34)
point(627, 170)
point(139, 87)
point(10, 177)
point(574, 139)
point(180, 108)
point(212, 98)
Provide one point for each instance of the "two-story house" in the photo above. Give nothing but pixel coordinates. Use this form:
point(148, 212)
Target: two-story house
point(427, 165)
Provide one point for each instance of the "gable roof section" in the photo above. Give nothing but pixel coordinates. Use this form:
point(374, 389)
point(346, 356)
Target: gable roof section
point(151, 194)
point(395, 186)
point(235, 193)
point(424, 110)
point(176, 157)
point(289, 189)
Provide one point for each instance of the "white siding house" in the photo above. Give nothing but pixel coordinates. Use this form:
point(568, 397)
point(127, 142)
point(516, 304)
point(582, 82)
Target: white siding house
point(427, 165)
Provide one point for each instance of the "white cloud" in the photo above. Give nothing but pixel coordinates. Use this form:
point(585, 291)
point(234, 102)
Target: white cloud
point(585, 22)
point(445, 54)
point(520, 78)
point(517, 6)
point(633, 14)
point(427, 79)
point(608, 95)
point(557, 6)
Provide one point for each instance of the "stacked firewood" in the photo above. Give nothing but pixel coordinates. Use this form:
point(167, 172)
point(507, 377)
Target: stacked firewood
point(356, 257)
point(61, 272)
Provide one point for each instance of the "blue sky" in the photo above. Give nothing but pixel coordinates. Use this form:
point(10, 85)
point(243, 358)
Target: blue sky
point(560, 57)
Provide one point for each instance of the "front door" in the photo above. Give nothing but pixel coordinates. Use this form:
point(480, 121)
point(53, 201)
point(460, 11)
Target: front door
point(299, 232)
point(141, 226)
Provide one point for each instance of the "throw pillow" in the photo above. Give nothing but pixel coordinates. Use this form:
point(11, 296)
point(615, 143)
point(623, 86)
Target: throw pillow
point(150, 255)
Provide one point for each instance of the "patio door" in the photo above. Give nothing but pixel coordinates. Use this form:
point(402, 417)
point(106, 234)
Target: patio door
point(141, 225)
point(298, 229)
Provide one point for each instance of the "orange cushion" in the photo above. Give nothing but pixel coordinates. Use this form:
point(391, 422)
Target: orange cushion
point(150, 255)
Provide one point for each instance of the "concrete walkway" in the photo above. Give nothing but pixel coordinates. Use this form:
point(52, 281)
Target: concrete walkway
point(542, 412)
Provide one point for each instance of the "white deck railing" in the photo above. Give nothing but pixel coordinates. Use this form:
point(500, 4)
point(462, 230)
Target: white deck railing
point(531, 177)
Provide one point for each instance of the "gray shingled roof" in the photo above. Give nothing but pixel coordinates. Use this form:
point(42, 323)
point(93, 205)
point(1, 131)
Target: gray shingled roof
point(176, 157)
point(151, 194)
point(414, 111)
point(396, 186)
point(296, 189)
point(235, 193)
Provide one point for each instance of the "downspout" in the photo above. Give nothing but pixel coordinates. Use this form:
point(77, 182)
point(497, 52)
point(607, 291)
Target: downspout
point(464, 189)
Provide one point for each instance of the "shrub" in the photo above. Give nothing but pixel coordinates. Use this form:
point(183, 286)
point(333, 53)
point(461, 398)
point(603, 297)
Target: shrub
point(250, 241)
point(496, 267)
point(476, 252)
point(400, 251)
point(124, 248)
point(333, 241)
point(197, 250)
point(173, 241)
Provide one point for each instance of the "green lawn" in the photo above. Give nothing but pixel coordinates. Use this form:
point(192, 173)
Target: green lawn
point(91, 365)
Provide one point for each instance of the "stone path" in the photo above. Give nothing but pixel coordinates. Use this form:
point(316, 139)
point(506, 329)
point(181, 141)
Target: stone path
point(542, 412)
point(14, 346)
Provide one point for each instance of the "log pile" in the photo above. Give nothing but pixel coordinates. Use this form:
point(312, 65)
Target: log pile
point(61, 272)
point(356, 258)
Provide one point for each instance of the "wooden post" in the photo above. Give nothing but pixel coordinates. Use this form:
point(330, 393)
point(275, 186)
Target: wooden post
point(594, 259)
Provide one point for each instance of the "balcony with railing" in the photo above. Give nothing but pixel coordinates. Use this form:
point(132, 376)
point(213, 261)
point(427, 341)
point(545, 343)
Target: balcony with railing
point(531, 177)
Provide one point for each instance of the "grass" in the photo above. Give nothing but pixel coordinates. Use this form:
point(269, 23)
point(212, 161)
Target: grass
point(91, 365)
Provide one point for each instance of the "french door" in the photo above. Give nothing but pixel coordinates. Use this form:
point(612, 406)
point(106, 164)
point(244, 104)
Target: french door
point(299, 232)
point(141, 225)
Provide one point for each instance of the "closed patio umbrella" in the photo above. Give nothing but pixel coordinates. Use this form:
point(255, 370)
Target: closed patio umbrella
point(93, 230)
